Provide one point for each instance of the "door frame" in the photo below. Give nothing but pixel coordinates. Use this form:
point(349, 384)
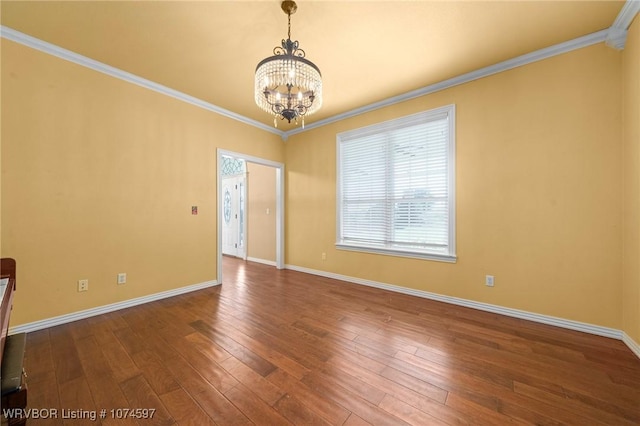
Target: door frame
point(279, 169)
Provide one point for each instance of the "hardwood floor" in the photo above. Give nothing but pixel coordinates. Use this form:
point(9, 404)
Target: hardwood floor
point(273, 347)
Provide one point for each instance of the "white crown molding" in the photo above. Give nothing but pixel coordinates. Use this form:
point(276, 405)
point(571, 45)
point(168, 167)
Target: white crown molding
point(52, 49)
point(75, 316)
point(616, 38)
point(515, 313)
point(629, 11)
point(538, 55)
point(617, 35)
point(558, 49)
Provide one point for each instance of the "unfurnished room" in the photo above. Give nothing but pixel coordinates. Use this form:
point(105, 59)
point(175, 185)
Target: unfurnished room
point(320, 212)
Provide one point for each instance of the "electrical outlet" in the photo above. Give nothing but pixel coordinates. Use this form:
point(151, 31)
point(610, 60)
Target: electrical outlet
point(324, 256)
point(83, 285)
point(122, 278)
point(488, 280)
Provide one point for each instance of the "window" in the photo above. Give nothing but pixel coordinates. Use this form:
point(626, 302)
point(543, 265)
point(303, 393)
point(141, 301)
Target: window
point(396, 189)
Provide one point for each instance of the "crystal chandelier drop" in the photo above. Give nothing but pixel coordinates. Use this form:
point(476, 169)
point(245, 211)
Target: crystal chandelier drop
point(288, 85)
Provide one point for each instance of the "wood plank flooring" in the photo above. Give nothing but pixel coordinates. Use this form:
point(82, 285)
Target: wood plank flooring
point(273, 347)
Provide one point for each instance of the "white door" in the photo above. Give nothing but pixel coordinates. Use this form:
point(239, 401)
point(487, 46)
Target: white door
point(233, 216)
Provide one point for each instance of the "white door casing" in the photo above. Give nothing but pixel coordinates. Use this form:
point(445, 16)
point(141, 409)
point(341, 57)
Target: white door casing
point(280, 185)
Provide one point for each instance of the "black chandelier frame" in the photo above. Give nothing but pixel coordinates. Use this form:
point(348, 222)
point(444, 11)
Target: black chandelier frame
point(290, 105)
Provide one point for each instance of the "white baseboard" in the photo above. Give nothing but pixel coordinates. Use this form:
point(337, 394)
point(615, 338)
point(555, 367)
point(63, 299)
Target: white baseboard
point(263, 261)
point(516, 313)
point(633, 345)
point(75, 316)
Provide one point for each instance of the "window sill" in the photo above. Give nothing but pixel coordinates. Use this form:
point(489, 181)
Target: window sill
point(400, 253)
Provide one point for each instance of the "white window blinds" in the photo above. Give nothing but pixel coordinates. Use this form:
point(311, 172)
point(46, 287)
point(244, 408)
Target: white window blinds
point(396, 188)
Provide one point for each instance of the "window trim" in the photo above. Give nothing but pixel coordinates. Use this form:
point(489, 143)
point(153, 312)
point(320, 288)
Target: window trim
point(451, 257)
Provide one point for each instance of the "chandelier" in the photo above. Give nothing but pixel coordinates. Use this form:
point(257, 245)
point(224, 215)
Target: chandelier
point(288, 85)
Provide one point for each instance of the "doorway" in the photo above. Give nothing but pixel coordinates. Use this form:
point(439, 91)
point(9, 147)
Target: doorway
point(233, 233)
point(234, 224)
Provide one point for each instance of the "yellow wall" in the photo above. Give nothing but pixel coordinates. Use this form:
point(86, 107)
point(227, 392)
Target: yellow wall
point(98, 177)
point(539, 199)
point(631, 138)
point(261, 226)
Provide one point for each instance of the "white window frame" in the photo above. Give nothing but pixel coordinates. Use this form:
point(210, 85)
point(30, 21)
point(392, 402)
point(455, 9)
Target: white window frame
point(386, 126)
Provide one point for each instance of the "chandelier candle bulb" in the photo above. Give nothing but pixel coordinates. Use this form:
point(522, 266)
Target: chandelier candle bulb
point(287, 84)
